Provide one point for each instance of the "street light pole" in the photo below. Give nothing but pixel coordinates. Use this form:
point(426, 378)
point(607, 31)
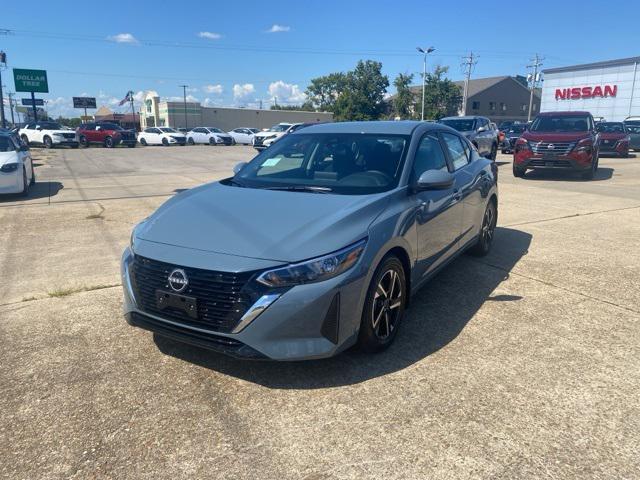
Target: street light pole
point(184, 96)
point(424, 74)
point(3, 64)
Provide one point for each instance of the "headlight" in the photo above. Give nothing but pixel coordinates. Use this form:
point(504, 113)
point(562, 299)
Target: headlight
point(316, 270)
point(9, 167)
point(584, 145)
point(134, 233)
point(522, 144)
point(58, 135)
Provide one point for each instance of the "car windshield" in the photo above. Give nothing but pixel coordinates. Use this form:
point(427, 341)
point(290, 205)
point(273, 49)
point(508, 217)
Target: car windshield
point(461, 125)
point(50, 126)
point(633, 126)
point(215, 130)
point(573, 123)
point(349, 164)
point(6, 145)
point(516, 128)
point(279, 128)
point(610, 127)
point(168, 130)
point(110, 126)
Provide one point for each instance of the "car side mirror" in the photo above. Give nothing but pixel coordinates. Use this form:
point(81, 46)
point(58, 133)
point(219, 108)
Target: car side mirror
point(39, 129)
point(238, 167)
point(434, 180)
point(481, 129)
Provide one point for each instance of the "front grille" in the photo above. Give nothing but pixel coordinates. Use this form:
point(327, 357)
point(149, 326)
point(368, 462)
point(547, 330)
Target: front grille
point(222, 297)
point(179, 139)
point(550, 163)
point(226, 140)
point(560, 148)
point(257, 140)
point(69, 136)
point(127, 135)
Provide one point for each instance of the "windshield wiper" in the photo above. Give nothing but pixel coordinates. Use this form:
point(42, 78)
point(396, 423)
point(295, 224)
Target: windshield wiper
point(236, 183)
point(302, 188)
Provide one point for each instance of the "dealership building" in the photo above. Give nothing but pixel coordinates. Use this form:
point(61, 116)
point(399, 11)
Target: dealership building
point(160, 113)
point(609, 89)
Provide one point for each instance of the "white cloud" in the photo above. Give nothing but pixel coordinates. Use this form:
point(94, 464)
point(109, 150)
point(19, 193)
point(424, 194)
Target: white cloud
point(275, 28)
point(241, 93)
point(286, 92)
point(113, 101)
point(139, 96)
point(192, 89)
point(208, 102)
point(124, 38)
point(216, 89)
point(210, 35)
point(180, 98)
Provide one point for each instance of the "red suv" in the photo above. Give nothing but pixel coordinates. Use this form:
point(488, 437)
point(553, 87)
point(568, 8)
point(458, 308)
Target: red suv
point(558, 141)
point(107, 134)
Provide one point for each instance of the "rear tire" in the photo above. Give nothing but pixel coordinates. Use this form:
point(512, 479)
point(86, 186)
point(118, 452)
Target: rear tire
point(487, 231)
point(143, 142)
point(518, 172)
point(384, 306)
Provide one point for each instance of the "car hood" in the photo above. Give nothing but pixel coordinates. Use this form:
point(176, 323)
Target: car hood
point(555, 137)
point(612, 135)
point(222, 135)
point(263, 224)
point(268, 134)
point(8, 157)
point(176, 134)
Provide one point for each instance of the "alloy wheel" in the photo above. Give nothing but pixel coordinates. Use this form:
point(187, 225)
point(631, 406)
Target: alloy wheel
point(387, 301)
point(488, 226)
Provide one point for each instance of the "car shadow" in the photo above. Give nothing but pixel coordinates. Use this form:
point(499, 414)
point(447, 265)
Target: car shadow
point(603, 173)
point(36, 191)
point(436, 316)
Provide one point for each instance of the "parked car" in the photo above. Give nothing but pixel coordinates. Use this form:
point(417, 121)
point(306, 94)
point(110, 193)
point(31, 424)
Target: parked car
point(13, 132)
point(613, 139)
point(511, 135)
point(183, 130)
point(209, 135)
point(106, 134)
point(16, 166)
point(632, 126)
point(479, 132)
point(341, 222)
point(558, 141)
point(161, 136)
point(262, 140)
point(243, 135)
point(49, 134)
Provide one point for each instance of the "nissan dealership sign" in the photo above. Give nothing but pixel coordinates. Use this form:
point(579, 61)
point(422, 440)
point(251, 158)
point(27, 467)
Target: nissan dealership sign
point(575, 93)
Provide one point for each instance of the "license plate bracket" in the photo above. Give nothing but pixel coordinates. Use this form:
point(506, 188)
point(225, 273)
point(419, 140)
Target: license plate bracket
point(184, 303)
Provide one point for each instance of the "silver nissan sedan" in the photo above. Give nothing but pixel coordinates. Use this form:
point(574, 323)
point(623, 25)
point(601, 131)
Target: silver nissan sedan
point(315, 245)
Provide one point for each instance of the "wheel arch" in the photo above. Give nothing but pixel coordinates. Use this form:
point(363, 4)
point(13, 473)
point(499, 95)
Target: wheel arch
point(401, 254)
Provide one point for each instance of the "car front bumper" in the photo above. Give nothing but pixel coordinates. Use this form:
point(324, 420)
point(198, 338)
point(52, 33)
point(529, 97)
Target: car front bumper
point(11, 182)
point(578, 161)
point(293, 327)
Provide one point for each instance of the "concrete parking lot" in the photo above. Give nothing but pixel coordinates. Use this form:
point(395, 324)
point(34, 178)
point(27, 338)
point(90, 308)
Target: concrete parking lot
point(522, 364)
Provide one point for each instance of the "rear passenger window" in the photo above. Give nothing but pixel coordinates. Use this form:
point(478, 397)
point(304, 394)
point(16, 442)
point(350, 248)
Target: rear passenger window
point(456, 150)
point(429, 156)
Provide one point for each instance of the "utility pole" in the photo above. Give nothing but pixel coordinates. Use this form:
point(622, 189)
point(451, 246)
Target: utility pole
point(10, 95)
point(3, 65)
point(468, 63)
point(536, 63)
point(424, 74)
point(184, 95)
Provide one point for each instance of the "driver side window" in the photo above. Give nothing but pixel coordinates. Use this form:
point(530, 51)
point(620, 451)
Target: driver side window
point(429, 156)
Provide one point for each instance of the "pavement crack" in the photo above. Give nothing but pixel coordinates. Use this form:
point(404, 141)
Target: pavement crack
point(573, 215)
point(550, 284)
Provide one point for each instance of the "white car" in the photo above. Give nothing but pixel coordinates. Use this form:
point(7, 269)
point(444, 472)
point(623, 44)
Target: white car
point(49, 134)
point(16, 167)
point(243, 135)
point(209, 135)
point(161, 136)
point(262, 140)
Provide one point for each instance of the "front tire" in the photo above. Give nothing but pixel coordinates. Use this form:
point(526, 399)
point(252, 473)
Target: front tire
point(487, 231)
point(591, 173)
point(494, 152)
point(191, 141)
point(384, 306)
point(165, 142)
point(108, 142)
point(518, 172)
point(25, 184)
point(48, 143)
point(83, 141)
point(212, 141)
point(143, 142)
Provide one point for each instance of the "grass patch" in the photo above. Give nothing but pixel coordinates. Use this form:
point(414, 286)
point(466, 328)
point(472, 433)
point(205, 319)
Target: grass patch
point(64, 292)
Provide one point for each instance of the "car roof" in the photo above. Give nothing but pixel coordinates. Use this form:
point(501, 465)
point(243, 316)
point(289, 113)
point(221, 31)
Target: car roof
point(465, 117)
point(391, 127)
point(567, 113)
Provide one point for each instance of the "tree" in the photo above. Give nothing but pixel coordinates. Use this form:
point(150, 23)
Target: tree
point(363, 96)
point(442, 97)
point(404, 99)
point(323, 92)
point(306, 106)
point(355, 95)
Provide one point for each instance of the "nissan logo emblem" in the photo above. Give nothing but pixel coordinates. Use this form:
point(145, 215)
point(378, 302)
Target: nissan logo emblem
point(551, 146)
point(178, 280)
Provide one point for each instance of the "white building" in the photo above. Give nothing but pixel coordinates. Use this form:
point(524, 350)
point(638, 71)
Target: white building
point(609, 89)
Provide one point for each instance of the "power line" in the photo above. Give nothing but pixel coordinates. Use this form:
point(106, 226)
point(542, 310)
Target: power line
point(468, 63)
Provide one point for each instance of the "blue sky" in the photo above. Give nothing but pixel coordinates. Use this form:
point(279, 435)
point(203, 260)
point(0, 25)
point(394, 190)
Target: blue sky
point(237, 53)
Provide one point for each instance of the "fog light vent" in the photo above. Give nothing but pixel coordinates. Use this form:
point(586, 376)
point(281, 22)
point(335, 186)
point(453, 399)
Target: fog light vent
point(331, 324)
